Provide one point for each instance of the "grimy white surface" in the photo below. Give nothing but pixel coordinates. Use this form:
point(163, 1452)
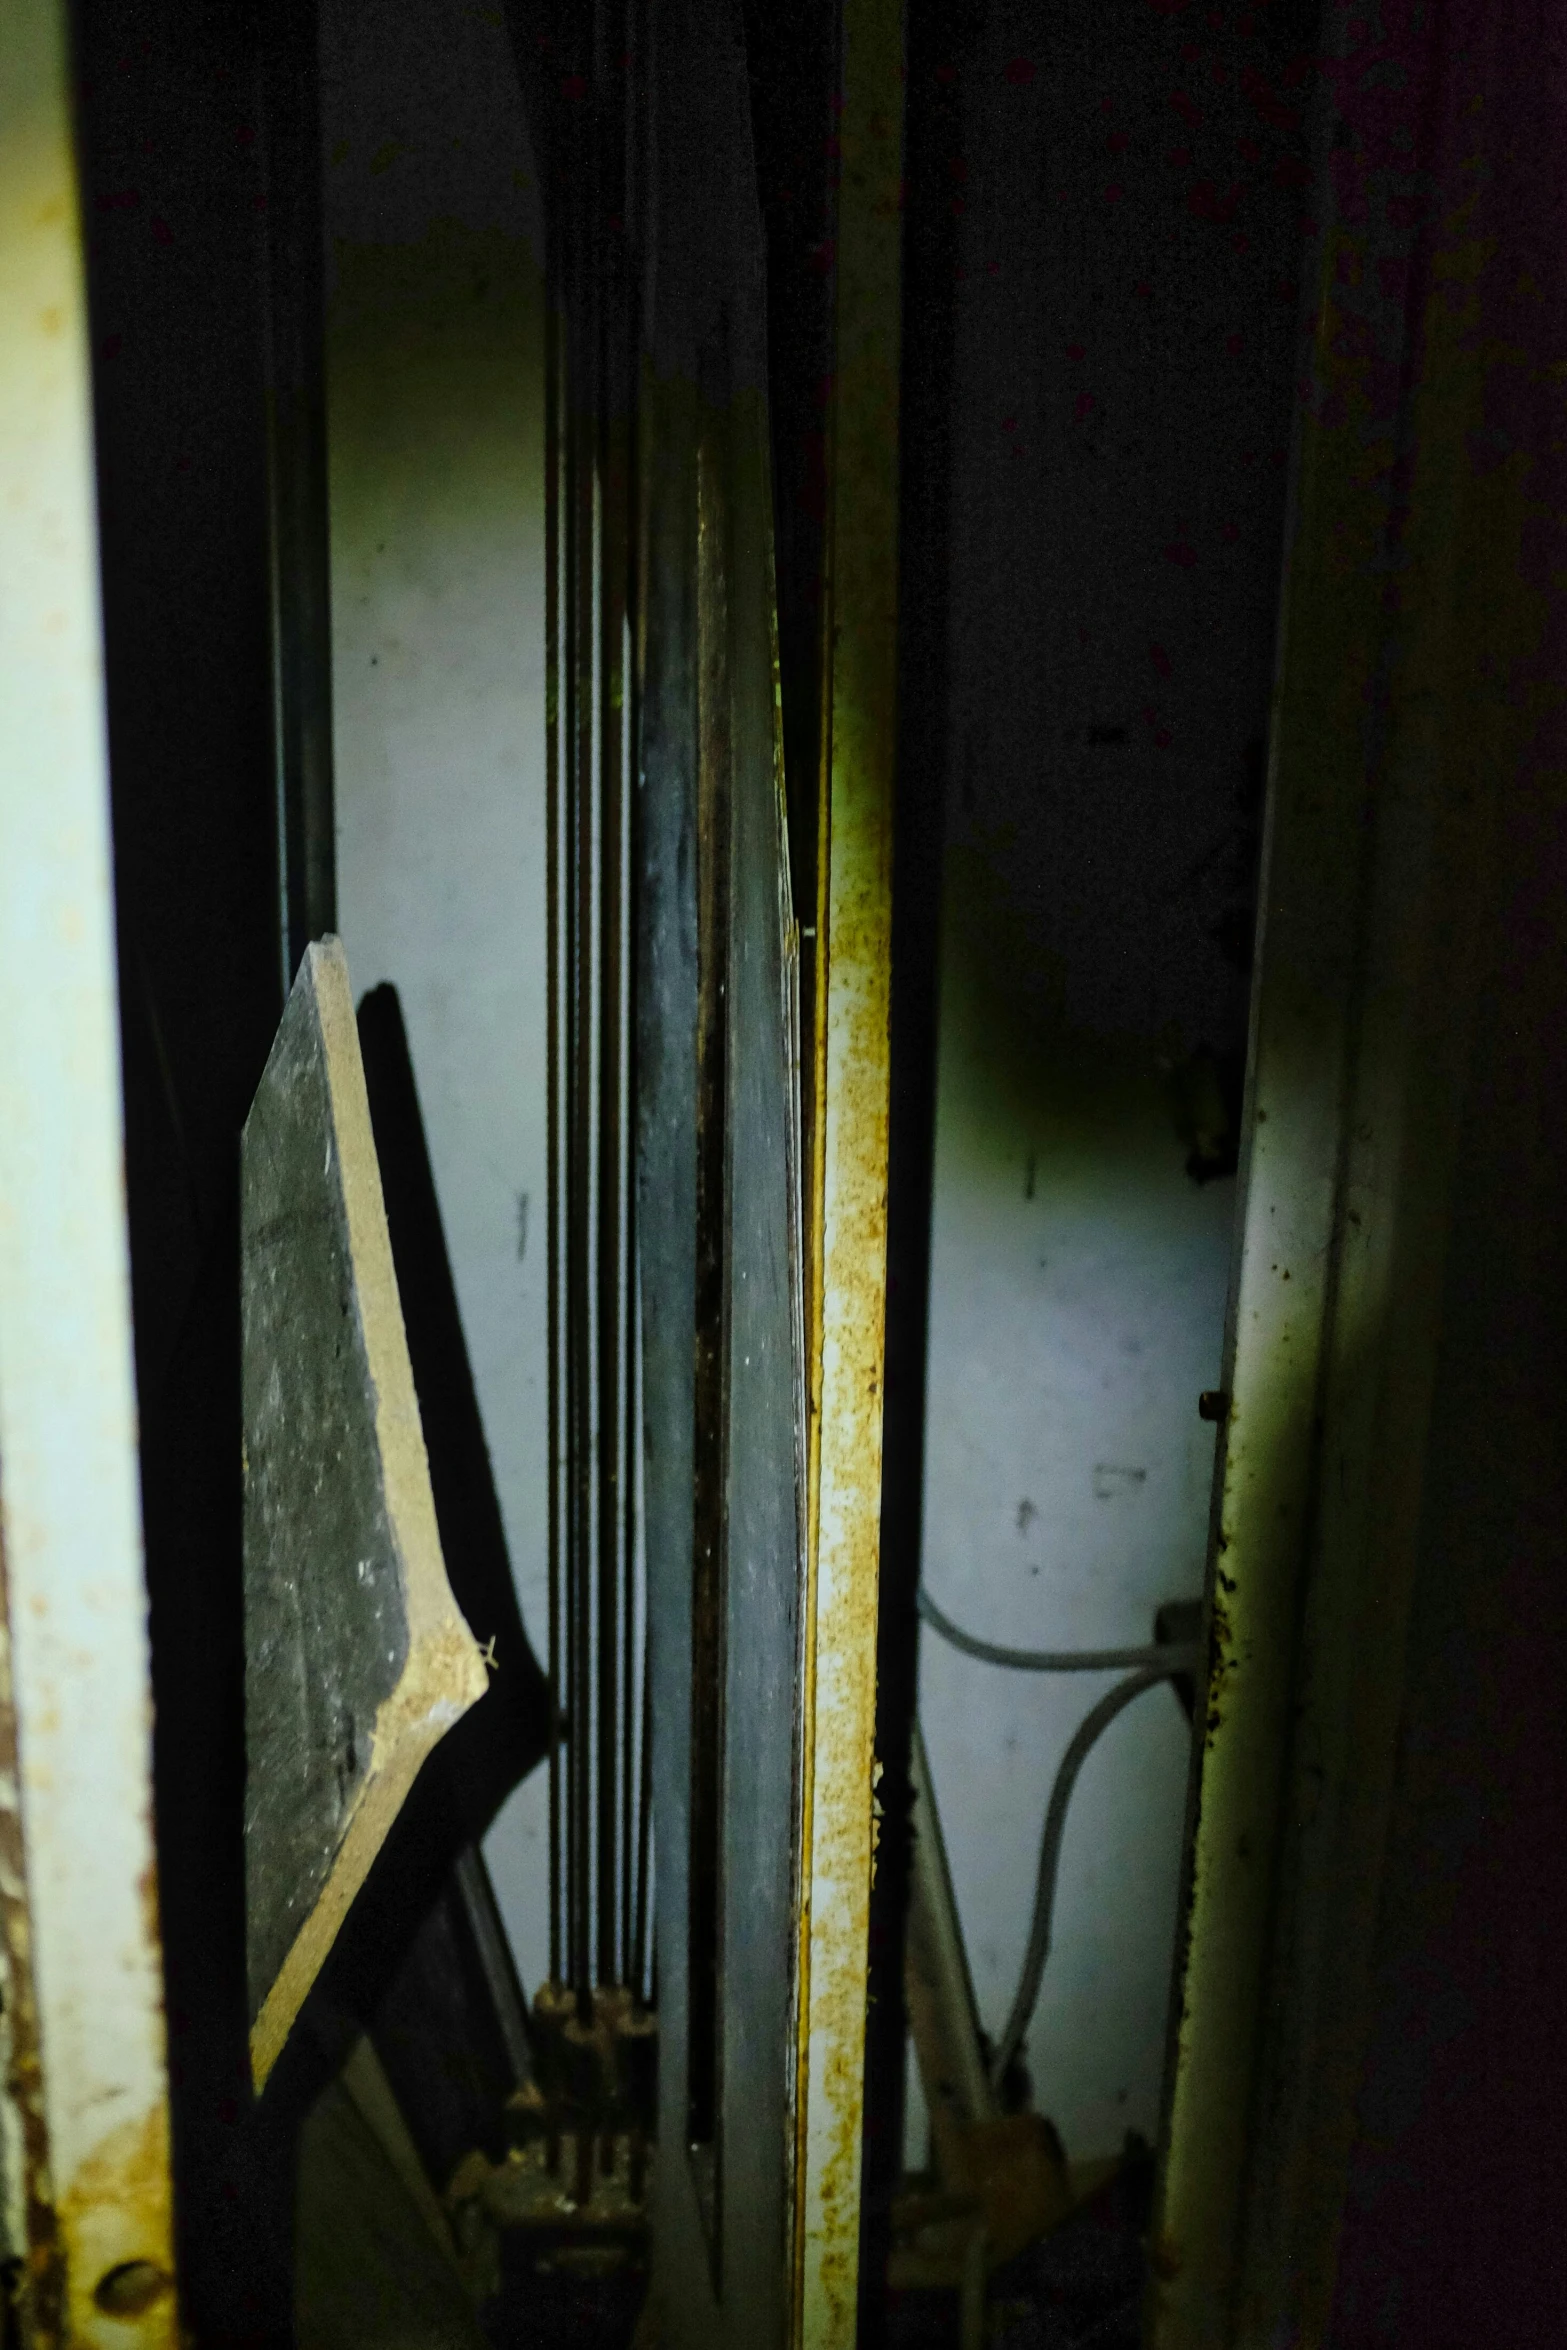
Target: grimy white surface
point(70, 1517)
point(1077, 1302)
point(1122, 378)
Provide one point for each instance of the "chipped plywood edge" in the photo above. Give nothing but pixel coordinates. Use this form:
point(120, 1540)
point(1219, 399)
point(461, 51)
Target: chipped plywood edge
point(78, 1907)
point(408, 1728)
point(444, 1674)
point(850, 1184)
point(433, 1613)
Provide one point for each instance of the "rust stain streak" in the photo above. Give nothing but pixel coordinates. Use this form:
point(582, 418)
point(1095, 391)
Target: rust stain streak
point(117, 2236)
point(847, 1266)
point(815, 1126)
point(83, 2104)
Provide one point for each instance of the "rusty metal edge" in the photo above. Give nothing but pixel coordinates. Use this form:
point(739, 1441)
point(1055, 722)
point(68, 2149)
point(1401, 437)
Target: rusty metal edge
point(848, 1223)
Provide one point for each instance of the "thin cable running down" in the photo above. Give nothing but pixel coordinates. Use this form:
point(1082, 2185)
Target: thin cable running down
point(1145, 1668)
point(1166, 1655)
point(1096, 1720)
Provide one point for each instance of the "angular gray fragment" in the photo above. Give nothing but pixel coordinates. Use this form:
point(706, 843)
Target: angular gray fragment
point(356, 1659)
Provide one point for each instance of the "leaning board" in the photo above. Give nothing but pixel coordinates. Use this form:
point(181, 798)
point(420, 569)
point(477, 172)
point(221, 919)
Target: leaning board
point(357, 1659)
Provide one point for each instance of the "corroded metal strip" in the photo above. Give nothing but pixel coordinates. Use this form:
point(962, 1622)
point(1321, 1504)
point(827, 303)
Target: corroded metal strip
point(85, 1911)
point(850, 1220)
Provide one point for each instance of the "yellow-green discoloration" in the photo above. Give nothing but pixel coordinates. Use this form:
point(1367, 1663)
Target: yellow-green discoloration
point(850, 1182)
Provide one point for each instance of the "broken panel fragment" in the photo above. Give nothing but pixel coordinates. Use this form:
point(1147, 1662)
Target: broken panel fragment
point(357, 1659)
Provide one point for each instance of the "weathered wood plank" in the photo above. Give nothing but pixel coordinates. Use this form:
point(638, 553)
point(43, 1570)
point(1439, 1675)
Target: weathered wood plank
point(357, 1659)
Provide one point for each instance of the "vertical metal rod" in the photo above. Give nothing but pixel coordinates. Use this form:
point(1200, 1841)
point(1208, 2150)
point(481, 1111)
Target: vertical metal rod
point(641, 1968)
point(609, 1204)
point(296, 469)
point(571, 1154)
point(641, 1971)
point(581, 1300)
point(577, 1452)
point(629, 1677)
point(606, 1657)
point(597, 1801)
point(552, 680)
point(597, 303)
point(619, 740)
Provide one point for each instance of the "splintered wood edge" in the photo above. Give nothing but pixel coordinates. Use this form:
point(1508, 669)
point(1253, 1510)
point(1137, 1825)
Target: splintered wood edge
point(409, 1725)
point(444, 1674)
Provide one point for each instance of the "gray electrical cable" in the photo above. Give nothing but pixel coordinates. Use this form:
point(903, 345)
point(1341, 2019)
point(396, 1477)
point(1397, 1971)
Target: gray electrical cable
point(1145, 1668)
point(1167, 1657)
point(1097, 1719)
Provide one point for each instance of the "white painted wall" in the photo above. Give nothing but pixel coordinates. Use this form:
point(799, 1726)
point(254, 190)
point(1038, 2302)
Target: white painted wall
point(1077, 1296)
point(1121, 383)
point(435, 454)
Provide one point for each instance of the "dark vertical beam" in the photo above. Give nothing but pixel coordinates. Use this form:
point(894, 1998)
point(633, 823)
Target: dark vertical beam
point(792, 63)
point(171, 128)
point(555, 817)
point(296, 465)
point(578, 666)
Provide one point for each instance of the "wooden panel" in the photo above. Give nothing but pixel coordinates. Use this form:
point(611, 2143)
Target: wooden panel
point(356, 1657)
